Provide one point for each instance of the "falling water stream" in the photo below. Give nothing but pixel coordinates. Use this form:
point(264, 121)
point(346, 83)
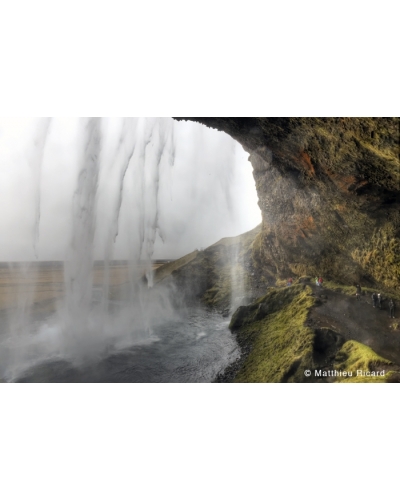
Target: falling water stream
point(140, 336)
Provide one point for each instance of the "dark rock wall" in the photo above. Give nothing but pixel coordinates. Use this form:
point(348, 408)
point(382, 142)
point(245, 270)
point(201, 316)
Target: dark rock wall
point(329, 193)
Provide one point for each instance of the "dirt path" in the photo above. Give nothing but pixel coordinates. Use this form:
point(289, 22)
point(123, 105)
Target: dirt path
point(358, 320)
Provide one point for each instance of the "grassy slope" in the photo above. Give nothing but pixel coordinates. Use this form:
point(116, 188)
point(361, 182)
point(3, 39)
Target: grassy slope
point(282, 346)
point(214, 269)
point(167, 269)
point(281, 342)
point(351, 290)
point(354, 356)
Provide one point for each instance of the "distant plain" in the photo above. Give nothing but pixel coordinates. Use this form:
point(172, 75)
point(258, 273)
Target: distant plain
point(41, 284)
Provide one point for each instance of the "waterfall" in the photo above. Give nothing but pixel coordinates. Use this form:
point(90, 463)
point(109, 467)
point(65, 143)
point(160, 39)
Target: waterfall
point(123, 156)
point(159, 148)
point(145, 146)
point(36, 159)
point(19, 318)
point(79, 263)
point(237, 277)
point(123, 182)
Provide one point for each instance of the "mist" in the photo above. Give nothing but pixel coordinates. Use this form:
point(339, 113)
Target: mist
point(206, 191)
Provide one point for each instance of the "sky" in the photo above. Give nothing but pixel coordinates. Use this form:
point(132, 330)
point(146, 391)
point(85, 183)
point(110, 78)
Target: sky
point(205, 192)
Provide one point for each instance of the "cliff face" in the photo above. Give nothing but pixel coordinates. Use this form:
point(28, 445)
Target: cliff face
point(329, 193)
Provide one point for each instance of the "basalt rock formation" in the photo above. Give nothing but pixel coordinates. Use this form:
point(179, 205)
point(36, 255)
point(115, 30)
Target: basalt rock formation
point(329, 193)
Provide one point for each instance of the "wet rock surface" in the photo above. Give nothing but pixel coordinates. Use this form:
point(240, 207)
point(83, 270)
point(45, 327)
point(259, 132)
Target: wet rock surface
point(329, 193)
point(358, 320)
point(335, 319)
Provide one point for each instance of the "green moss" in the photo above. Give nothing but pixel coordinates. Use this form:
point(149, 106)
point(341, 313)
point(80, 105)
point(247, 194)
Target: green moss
point(219, 295)
point(329, 184)
point(351, 290)
point(380, 256)
point(257, 248)
point(215, 274)
point(354, 356)
point(228, 277)
point(245, 240)
point(282, 345)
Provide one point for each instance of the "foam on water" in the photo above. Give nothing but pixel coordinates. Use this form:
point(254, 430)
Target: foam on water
point(135, 161)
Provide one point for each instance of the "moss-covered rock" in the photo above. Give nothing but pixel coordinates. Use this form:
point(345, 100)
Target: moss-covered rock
point(221, 276)
point(363, 363)
point(281, 343)
point(351, 290)
point(280, 346)
point(329, 193)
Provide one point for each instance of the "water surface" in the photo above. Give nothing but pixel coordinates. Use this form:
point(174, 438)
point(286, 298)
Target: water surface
point(193, 348)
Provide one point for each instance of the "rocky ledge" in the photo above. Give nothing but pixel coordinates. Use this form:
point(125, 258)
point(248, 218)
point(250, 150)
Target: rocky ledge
point(329, 193)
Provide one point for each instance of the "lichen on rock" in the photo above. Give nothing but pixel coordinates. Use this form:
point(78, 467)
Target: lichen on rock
point(325, 185)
